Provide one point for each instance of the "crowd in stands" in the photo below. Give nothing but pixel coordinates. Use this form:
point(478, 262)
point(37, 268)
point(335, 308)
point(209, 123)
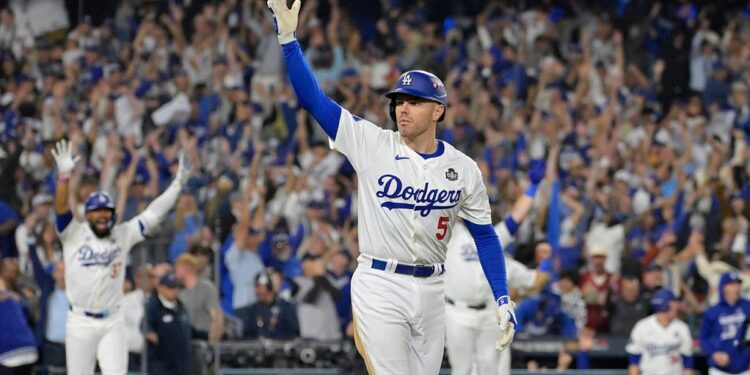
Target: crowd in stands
point(640, 108)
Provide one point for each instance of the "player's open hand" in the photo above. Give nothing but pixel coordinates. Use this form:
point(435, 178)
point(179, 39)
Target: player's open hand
point(64, 158)
point(285, 19)
point(184, 169)
point(506, 318)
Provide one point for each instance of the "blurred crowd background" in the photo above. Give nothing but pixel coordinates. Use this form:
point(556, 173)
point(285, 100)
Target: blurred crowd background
point(640, 108)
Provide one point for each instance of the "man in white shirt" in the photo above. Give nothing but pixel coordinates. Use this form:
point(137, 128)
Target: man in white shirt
point(470, 324)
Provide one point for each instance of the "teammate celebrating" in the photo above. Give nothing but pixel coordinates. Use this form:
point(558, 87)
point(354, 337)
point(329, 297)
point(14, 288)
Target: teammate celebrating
point(413, 188)
point(724, 333)
point(94, 255)
point(658, 341)
point(469, 326)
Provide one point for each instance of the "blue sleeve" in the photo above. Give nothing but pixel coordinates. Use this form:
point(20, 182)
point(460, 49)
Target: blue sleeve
point(687, 361)
point(511, 224)
point(296, 239)
point(634, 359)
point(41, 276)
point(706, 333)
point(325, 111)
point(62, 220)
point(490, 256)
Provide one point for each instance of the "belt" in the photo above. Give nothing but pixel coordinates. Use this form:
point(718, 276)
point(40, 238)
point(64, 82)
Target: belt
point(405, 269)
point(480, 306)
point(92, 314)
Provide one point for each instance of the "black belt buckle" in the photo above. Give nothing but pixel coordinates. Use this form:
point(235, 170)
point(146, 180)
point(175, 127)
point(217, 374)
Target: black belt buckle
point(480, 306)
point(99, 315)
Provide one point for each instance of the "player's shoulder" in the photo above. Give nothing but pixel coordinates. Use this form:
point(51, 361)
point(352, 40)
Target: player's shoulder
point(353, 119)
point(453, 154)
point(645, 323)
point(680, 325)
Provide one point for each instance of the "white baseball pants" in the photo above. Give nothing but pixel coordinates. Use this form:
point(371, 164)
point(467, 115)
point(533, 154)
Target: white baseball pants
point(88, 339)
point(470, 337)
point(399, 321)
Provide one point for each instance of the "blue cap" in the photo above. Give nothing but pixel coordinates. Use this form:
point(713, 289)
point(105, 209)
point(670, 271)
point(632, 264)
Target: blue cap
point(661, 299)
point(98, 200)
point(653, 267)
point(737, 195)
point(730, 277)
point(420, 84)
point(316, 204)
point(170, 281)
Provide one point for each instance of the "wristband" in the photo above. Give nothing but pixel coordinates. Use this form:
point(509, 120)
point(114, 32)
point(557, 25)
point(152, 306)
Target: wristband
point(63, 178)
point(546, 265)
point(531, 190)
point(511, 224)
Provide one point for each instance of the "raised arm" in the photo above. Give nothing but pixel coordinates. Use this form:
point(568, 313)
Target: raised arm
point(65, 161)
point(157, 210)
point(325, 111)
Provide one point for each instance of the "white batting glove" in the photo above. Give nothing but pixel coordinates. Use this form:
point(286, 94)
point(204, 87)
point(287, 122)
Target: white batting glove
point(184, 169)
point(64, 158)
point(506, 318)
point(285, 19)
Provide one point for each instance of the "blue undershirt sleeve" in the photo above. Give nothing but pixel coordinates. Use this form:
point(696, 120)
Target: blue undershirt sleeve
point(634, 359)
point(324, 110)
point(62, 221)
point(490, 256)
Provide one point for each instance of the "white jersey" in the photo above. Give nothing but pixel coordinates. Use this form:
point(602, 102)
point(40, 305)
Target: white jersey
point(407, 204)
point(94, 267)
point(661, 348)
point(464, 277)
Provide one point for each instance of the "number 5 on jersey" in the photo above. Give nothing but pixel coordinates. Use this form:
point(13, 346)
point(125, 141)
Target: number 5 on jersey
point(442, 227)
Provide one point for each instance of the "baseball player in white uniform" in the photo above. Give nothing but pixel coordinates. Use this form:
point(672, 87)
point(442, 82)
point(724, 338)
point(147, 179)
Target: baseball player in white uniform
point(470, 323)
point(660, 344)
point(413, 188)
point(95, 253)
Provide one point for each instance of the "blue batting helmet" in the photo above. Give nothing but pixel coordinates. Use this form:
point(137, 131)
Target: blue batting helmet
point(98, 200)
point(661, 299)
point(420, 84)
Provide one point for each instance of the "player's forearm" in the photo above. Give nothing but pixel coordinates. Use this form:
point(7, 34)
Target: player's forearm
point(325, 111)
point(158, 208)
point(540, 280)
point(61, 194)
point(217, 325)
point(633, 370)
point(522, 207)
point(490, 256)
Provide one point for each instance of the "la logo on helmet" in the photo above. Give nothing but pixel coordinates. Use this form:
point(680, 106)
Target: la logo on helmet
point(406, 81)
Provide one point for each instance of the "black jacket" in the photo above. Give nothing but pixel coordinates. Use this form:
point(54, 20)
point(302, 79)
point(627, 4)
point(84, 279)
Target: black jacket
point(171, 355)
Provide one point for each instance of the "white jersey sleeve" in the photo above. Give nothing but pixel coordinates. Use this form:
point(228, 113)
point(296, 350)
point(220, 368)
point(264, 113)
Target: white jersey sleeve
point(359, 140)
point(476, 204)
point(686, 346)
point(130, 233)
point(635, 345)
point(72, 230)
